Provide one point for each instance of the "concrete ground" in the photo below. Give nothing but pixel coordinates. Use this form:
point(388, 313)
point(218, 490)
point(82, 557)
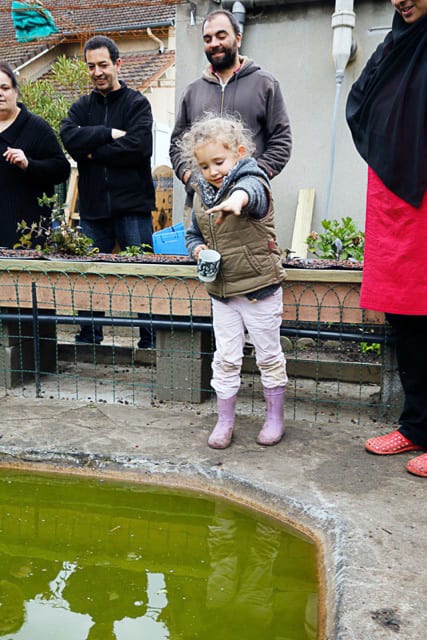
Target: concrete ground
point(366, 512)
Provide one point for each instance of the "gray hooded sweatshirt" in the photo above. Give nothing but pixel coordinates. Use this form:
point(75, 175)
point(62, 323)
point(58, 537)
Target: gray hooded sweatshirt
point(252, 94)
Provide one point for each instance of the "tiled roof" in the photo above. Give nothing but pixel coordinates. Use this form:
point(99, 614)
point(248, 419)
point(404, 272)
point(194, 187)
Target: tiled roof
point(139, 70)
point(77, 18)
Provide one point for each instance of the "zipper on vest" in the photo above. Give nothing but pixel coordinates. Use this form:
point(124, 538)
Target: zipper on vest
point(213, 236)
point(211, 229)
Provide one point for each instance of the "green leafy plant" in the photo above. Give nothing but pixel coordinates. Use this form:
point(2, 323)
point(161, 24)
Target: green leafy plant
point(136, 250)
point(54, 236)
point(52, 96)
point(339, 241)
point(370, 347)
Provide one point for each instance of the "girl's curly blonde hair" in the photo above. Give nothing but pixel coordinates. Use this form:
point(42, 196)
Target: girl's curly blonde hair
point(227, 130)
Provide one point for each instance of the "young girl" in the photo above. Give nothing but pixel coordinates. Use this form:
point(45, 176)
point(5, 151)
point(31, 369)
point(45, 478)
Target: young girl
point(233, 213)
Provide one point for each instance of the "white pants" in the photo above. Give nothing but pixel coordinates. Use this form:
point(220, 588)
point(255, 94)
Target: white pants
point(262, 320)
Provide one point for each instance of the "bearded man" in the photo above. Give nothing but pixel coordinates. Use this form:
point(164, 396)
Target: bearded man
point(233, 84)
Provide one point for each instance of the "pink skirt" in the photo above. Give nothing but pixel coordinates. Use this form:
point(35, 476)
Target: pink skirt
point(395, 259)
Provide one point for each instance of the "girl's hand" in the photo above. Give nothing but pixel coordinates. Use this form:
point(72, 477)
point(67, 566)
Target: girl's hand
point(234, 204)
point(198, 249)
point(16, 157)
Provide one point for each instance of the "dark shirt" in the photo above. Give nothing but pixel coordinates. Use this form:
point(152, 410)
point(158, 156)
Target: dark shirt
point(114, 175)
point(20, 189)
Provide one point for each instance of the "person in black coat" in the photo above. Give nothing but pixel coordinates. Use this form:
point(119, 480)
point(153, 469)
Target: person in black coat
point(31, 160)
point(109, 134)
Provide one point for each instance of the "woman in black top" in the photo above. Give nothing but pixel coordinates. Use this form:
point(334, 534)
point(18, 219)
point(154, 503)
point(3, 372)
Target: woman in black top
point(31, 160)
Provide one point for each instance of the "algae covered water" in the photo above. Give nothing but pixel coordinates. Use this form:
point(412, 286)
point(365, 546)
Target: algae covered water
point(87, 559)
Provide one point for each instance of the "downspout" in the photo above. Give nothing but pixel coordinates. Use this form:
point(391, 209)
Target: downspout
point(239, 10)
point(193, 12)
point(157, 40)
point(344, 49)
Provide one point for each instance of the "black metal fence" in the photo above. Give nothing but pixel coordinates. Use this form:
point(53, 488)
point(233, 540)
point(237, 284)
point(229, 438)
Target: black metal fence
point(340, 362)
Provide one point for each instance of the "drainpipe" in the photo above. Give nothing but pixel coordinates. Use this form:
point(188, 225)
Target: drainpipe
point(239, 11)
point(157, 40)
point(239, 8)
point(193, 12)
point(344, 49)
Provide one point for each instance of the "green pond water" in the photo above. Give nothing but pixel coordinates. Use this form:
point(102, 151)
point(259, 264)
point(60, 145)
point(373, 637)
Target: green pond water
point(86, 559)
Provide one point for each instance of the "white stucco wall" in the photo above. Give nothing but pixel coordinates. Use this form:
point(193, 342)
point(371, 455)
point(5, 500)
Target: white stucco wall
point(294, 42)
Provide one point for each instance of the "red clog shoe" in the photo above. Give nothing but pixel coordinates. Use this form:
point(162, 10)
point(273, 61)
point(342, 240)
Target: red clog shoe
point(390, 444)
point(418, 466)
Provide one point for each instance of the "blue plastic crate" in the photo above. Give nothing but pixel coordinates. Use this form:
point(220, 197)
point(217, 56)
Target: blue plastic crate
point(170, 241)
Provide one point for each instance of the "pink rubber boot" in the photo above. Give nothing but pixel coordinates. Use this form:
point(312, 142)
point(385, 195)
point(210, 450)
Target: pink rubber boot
point(273, 428)
point(222, 434)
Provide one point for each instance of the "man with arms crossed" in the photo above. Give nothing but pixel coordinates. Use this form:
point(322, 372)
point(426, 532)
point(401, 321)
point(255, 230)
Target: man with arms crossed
point(109, 134)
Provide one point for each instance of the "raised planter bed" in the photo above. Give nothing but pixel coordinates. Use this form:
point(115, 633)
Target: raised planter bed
point(327, 293)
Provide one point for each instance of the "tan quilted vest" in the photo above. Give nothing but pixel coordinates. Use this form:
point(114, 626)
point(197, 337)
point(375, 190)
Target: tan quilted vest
point(250, 257)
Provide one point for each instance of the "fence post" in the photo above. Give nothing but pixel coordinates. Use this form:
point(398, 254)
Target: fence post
point(183, 365)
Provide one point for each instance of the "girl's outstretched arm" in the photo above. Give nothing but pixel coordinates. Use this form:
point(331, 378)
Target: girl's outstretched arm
point(233, 204)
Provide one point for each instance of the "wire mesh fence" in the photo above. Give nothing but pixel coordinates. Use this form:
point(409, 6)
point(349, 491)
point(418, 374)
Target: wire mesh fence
point(340, 358)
